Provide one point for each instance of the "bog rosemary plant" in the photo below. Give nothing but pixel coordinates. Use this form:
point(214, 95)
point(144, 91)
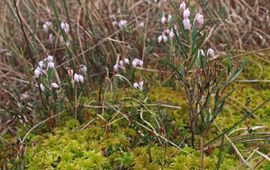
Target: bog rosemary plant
point(203, 74)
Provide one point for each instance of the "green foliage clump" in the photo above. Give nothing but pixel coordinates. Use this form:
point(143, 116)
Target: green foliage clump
point(95, 148)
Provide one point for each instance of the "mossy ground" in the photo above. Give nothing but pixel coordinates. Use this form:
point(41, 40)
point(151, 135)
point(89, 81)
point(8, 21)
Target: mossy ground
point(120, 143)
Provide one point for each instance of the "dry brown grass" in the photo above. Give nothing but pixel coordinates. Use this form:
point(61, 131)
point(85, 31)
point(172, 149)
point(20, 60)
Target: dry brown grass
point(242, 24)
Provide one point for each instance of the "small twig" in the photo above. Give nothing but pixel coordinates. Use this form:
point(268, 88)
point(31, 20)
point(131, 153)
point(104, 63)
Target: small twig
point(25, 36)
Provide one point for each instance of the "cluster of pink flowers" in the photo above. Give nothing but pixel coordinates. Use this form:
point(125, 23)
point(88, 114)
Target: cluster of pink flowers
point(186, 14)
point(48, 25)
point(166, 19)
point(166, 35)
point(42, 68)
point(53, 86)
point(75, 77)
point(210, 53)
point(65, 27)
point(138, 85)
point(121, 23)
point(137, 62)
point(121, 64)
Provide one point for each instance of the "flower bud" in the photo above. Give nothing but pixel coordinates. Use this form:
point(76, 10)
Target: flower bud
point(121, 63)
point(50, 39)
point(122, 23)
point(199, 18)
point(140, 63)
point(183, 6)
point(136, 85)
point(46, 26)
point(166, 32)
point(186, 13)
point(70, 72)
point(187, 24)
point(139, 85)
point(115, 68)
point(171, 34)
point(50, 58)
point(38, 72)
point(83, 69)
point(42, 88)
point(78, 78)
point(126, 60)
point(134, 63)
point(51, 65)
point(54, 85)
point(41, 64)
point(164, 38)
point(210, 53)
point(66, 28)
point(160, 38)
point(201, 53)
point(163, 19)
point(81, 78)
point(62, 25)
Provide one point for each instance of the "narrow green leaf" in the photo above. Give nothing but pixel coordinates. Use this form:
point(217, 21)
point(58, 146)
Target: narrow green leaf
point(229, 65)
point(236, 73)
point(220, 157)
point(180, 43)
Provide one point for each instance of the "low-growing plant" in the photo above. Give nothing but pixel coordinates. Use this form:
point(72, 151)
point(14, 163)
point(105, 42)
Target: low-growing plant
point(202, 73)
point(110, 49)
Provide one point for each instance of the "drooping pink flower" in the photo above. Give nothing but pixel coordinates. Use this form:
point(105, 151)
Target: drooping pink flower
point(187, 24)
point(122, 23)
point(54, 85)
point(42, 88)
point(38, 72)
point(78, 78)
point(126, 60)
point(186, 13)
point(116, 68)
point(163, 19)
point(46, 26)
point(199, 19)
point(183, 6)
point(211, 53)
point(50, 65)
point(50, 58)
